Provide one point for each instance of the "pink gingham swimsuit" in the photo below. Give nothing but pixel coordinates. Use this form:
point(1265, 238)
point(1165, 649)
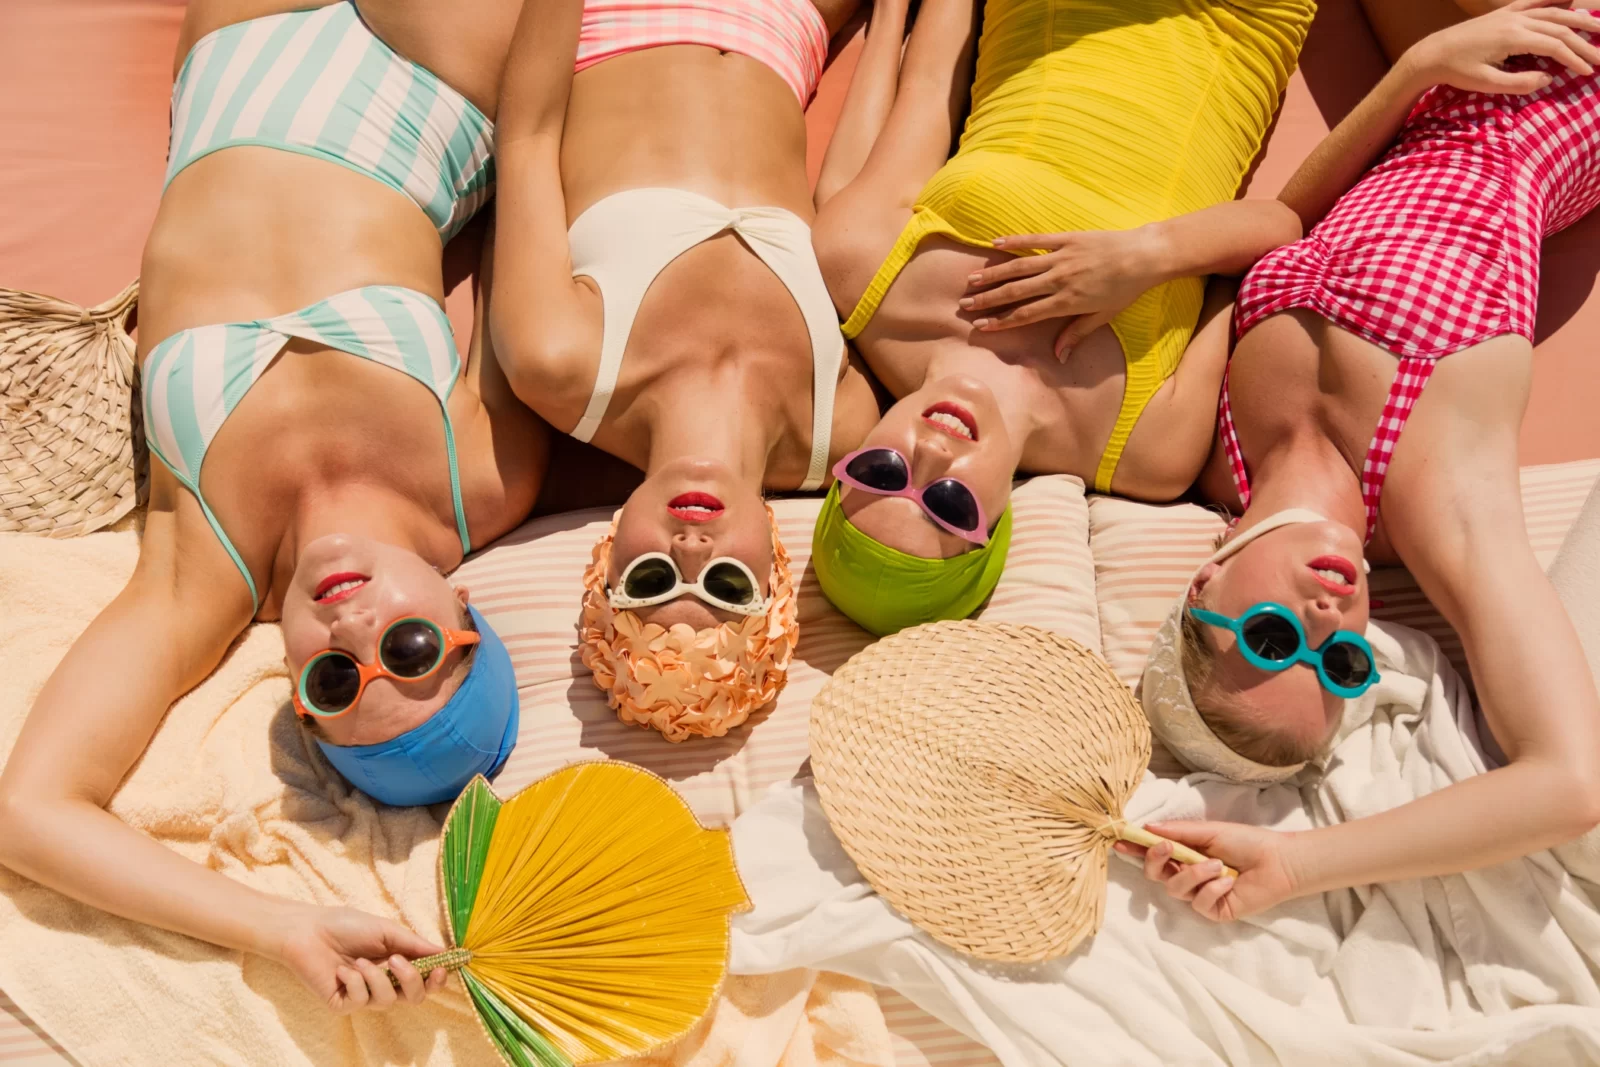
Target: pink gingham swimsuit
point(1437, 248)
point(789, 36)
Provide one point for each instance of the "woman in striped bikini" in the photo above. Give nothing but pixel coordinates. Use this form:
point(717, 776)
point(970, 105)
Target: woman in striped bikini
point(657, 294)
point(1371, 412)
point(324, 459)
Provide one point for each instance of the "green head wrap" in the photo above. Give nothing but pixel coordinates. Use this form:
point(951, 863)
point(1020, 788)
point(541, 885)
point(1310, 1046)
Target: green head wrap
point(885, 590)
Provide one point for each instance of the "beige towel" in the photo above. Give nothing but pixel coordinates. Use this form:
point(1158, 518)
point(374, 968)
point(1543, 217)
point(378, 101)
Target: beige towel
point(797, 1018)
point(230, 781)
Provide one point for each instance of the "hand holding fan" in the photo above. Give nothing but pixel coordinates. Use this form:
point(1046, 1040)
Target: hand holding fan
point(589, 913)
point(977, 774)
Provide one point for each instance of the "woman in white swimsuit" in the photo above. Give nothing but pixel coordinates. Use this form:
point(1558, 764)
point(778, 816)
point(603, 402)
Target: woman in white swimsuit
point(657, 294)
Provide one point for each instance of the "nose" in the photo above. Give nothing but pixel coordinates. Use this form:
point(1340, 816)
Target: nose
point(355, 630)
point(930, 460)
point(1321, 617)
point(691, 551)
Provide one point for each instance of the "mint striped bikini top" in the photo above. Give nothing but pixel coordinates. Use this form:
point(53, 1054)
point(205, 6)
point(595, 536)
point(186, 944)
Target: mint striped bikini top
point(320, 83)
point(194, 379)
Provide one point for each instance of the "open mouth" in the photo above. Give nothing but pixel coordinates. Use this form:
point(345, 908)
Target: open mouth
point(1335, 573)
point(336, 587)
point(952, 419)
point(695, 507)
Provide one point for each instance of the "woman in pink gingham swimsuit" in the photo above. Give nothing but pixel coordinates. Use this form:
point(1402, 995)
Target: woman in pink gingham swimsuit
point(1489, 135)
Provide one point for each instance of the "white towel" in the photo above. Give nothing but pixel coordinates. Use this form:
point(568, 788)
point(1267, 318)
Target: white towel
point(1495, 966)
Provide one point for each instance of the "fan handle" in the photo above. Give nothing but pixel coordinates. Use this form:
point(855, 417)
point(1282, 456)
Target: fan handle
point(1138, 835)
point(454, 959)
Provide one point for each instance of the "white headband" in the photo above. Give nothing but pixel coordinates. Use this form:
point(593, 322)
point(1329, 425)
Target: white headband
point(1164, 692)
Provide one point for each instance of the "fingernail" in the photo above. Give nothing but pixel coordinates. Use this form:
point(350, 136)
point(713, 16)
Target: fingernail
point(1214, 866)
point(965, 301)
point(1225, 883)
point(972, 279)
point(999, 242)
point(980, 323)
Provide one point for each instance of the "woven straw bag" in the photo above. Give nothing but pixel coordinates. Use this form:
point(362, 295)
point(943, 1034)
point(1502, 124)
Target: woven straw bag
point(976, 773)
point(69, 428)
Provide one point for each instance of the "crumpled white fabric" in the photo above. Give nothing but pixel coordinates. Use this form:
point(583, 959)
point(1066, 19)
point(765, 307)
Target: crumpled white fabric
point(1490, 967)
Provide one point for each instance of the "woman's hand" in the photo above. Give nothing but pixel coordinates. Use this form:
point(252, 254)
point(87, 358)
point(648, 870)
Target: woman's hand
point(1085, 277)
point(1264, 881)
point(1471, 55)
point(341, 954)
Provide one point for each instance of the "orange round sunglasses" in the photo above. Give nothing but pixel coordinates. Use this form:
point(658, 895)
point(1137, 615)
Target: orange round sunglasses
point(409, 649)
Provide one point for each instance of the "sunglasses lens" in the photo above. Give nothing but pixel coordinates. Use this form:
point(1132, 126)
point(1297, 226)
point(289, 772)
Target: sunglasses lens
point(333, 682)
point(649, 578)
point(953, 502)
point(730, 584)
point(410, 649)
point(1347, 664)
point(1271, 637)
point(881, 469)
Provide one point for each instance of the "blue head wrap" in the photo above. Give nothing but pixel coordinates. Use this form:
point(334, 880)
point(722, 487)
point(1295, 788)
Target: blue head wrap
point(472, 734)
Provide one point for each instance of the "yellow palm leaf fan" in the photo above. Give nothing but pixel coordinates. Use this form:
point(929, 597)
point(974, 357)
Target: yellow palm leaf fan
point(976, 774)
point(589, 914)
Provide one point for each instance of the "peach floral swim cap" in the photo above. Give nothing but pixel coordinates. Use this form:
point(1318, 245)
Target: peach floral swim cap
point(681, 681)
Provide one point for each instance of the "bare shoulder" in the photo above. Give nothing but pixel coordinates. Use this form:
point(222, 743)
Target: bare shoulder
point(549, 354)
point(855, 409)
point(853, 234)
point(1452, 489)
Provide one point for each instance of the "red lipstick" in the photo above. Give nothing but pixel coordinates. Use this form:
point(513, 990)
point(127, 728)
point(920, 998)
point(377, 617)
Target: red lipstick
point(338, 579)
point(695, 507)
point(955, 411)
point(1340, 566)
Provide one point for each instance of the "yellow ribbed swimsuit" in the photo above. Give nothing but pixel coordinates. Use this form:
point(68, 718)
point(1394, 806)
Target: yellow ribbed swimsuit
point(1106, 115)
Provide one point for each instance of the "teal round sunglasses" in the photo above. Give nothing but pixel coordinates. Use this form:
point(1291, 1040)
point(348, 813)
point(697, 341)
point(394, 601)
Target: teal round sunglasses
point(1271, 639)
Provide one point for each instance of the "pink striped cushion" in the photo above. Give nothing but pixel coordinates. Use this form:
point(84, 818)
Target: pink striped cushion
point(528, 586)
point(1144, 554)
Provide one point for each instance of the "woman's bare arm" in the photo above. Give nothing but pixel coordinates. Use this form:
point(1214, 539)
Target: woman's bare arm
point(538, 320)
point(1088, 276)
point(858, 225)
point(868, 100)
point(94, 718)
point(1469, 56)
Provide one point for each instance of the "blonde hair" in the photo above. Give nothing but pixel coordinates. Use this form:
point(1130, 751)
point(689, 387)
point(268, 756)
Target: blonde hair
point(1248, 735)
point(682, 681)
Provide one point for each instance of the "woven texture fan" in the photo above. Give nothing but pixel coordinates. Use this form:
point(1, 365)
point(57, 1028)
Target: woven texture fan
point(588, 914)
point(67, 420)
point(977, 773)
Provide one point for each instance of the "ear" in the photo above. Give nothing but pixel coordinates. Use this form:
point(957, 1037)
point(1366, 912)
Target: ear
point(463, 594)
point(1201, 580)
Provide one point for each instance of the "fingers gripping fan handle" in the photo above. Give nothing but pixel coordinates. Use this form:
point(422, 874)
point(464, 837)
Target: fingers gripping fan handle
point(588, 915)
point(976, 774)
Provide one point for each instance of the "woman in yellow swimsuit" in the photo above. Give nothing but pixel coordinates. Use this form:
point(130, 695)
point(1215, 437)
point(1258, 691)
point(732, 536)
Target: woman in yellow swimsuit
point(1112, 135)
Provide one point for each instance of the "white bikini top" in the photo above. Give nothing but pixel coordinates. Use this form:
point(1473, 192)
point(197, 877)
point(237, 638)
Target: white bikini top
point(624, 241)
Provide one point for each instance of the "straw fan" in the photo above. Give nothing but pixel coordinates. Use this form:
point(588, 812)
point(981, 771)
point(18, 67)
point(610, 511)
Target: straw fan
point(976, 774)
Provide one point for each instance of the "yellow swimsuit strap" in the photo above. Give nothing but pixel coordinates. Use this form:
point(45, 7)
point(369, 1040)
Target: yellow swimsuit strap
point(924, 222)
